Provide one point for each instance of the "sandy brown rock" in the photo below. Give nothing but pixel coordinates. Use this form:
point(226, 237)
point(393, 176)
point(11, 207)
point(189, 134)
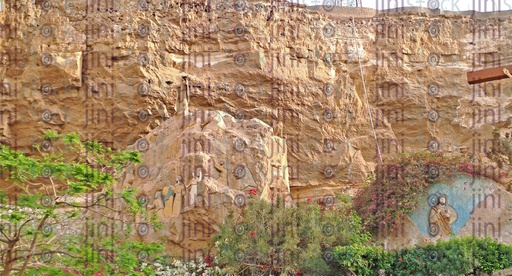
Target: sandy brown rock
point(195, 170)
point(117, 69)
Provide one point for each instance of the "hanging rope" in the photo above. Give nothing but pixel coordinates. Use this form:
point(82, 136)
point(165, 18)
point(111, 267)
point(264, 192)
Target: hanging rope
point(364, 87)
point(188, 91)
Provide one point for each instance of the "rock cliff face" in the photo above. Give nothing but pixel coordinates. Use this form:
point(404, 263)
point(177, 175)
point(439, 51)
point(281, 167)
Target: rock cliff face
point(215, 163)
point(113, 70)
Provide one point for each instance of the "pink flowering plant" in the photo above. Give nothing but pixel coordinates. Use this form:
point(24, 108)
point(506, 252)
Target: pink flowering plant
point(400, 183)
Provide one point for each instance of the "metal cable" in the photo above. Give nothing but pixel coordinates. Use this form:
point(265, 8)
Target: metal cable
point(364, 87)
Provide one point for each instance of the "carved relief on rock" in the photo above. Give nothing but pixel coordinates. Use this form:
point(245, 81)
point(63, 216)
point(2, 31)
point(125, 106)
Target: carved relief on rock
point(442, 216)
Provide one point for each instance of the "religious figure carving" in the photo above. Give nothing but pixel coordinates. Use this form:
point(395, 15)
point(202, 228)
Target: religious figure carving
point(442, 216)
point(178, 197)
point(195, 187)
point(183, 99)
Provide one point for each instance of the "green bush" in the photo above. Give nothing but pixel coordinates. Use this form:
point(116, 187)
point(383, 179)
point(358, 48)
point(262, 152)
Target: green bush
point(458, 256)
point(269, 238)
point(492, 256)
point(363, 260)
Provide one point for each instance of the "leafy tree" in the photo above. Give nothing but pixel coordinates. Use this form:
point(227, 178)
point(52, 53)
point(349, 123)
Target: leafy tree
point(59, 212)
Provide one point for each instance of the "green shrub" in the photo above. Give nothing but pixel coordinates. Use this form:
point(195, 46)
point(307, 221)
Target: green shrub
point(269, 238)
point(492, 256)
point(363, 260)
point(458, 256)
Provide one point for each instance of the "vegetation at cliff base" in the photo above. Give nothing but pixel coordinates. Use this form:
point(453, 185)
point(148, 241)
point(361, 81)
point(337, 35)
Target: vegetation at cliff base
point(57, 209)
point(269, 238)
point(458, 256)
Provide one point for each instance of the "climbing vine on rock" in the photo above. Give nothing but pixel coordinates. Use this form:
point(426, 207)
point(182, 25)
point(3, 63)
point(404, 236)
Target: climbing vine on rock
point(401, 182)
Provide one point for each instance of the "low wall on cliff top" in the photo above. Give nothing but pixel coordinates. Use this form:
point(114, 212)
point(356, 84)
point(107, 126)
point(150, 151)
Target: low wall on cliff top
point(340, 12)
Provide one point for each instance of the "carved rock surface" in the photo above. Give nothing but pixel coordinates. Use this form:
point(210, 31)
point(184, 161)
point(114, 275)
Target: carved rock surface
point(195, 168)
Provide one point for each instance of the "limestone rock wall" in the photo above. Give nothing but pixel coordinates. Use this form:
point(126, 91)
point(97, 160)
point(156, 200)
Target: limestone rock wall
point(112, 71)
point(215, 163)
